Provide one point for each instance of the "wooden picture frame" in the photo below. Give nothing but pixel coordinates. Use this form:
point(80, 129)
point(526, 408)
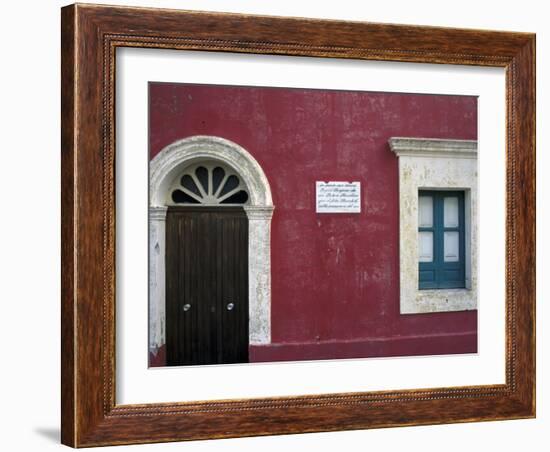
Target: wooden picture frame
point(90, 36)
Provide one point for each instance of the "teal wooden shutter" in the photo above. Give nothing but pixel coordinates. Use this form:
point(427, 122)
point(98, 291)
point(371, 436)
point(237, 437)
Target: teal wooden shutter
point(446, 268)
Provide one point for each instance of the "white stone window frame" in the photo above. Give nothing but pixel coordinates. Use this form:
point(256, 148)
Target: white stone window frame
point(435, 164)
point(170, 163)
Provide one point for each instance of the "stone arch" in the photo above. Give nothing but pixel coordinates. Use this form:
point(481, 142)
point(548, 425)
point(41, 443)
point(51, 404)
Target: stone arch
point(163, 169)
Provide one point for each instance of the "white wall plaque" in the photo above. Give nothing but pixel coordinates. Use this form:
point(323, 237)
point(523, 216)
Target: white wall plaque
point(338, 197)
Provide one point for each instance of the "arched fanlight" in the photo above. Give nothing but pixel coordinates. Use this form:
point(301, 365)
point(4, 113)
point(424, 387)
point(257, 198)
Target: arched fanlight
point(208, 183)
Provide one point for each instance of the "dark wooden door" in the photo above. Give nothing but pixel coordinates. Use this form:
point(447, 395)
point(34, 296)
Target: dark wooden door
point(206, 285)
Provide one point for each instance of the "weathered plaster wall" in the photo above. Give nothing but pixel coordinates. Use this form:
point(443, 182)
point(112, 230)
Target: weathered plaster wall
point(335, 277)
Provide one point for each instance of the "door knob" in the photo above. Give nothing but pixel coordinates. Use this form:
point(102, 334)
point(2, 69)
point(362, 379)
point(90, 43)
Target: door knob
point(186, 307)
point(230, 306)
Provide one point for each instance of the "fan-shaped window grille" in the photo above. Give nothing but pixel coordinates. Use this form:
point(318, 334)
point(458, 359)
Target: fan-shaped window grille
point(210, 184)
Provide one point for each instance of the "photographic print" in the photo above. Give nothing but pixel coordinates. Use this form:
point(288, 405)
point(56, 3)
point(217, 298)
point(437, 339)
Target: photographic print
point(290, 224)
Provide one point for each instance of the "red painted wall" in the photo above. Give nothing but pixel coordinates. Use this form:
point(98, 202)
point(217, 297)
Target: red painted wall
point(335, 277)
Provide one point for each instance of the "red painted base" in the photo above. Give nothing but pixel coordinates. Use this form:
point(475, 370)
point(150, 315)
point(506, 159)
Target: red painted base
point(441, 344)
point(158, 359)
point(444, 344)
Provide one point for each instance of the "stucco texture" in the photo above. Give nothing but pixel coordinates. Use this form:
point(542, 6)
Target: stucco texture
point(334, 277)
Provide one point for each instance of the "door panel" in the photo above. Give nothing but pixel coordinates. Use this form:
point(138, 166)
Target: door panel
point(206, 285)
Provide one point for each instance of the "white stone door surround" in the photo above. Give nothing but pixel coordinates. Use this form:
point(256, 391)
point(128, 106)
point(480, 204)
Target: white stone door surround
point(168, 164)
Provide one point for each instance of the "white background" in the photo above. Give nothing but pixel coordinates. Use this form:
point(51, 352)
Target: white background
point(137, 384)
point(30, 227)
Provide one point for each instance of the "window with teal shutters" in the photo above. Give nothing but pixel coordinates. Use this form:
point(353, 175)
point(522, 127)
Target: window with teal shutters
point(441, 244)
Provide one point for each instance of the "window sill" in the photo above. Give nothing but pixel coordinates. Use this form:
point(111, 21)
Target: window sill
point(439, 300)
